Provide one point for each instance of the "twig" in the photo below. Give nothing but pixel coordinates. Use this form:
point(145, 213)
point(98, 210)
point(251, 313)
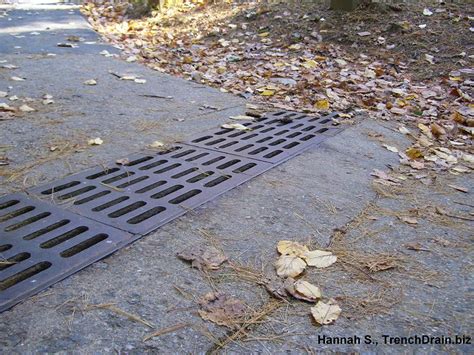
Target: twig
point(165, 331)
point(113, 308)
point(157, 96)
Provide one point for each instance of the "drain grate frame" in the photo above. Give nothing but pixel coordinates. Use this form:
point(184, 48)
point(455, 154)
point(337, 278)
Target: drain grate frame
point(42, 244)
point(151, 189)
point(128, 200)
point(274, 138)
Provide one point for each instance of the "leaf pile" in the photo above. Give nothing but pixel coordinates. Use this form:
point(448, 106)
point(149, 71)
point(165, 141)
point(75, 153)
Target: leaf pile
point(293, 260)
point(292, 57)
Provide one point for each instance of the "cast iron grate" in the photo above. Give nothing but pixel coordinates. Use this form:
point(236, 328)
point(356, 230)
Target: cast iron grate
point(42, 244)
point(151, 189)
point(273, 138)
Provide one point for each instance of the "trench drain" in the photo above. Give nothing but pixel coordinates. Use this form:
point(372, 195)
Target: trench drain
point(86, 216)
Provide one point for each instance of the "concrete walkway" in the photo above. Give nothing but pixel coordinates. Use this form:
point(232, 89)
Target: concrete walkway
point(306, 199)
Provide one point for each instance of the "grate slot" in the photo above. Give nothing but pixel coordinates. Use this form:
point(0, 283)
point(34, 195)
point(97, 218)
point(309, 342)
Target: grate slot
point(268, 134)
point(35, 261)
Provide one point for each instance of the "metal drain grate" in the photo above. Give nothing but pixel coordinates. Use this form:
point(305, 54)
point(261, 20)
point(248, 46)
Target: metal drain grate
point(273, 138)
point(42, 244)
point(151, 189)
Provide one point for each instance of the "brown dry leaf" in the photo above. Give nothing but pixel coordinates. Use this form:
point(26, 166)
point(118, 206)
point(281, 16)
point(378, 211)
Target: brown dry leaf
point(276, 287)
point(459, 188)
point(7, 108)
point(326, 313)
point(286, 247)
point(319, 258)
point(202, 257)
point(289, 286)
point(308, 290)
point(26, 108)
point(409, 220)
point(437, 130)
point(221, 309)
point(289, 266)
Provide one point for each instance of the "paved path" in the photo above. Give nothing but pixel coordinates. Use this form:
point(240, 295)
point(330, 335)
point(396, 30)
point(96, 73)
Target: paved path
point(305, 199)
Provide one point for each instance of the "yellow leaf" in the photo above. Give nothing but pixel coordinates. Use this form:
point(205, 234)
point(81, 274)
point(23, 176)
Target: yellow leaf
point(322, 105)
point(289, 266)
point(326, 313)
point(308, 290)
point(187, 60)
point(319, 258)
point(264, 34)
point(267, 93)
point(286, 247)
point(414, 153)
point(310, 63)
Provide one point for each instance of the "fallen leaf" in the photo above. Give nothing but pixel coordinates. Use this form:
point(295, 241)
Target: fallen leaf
point(319, 258)
point(203, 258)
point(3, 94)
point(123, 161)
point(90, 82)
point(17, 78)
point(140, 81)
point(427, 12)
point(409, 220)
point(322, 105)
point(307, 289)
point(95, 141)
point(286, 247)
point(289, 285)
point(289, 266)
point(391, 148)
point(6, 108)
point(156, 144)
point(237, 126)
point(221, 309)
point(413, 153)
point(276, 287)
point(26, 108)
point(437, 130)
point(326, 313)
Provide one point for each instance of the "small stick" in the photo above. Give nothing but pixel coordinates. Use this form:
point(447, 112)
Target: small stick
point(163, 331)
point(113, 308)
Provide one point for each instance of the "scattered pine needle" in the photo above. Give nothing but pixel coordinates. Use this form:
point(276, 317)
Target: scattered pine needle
point(165, 331)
